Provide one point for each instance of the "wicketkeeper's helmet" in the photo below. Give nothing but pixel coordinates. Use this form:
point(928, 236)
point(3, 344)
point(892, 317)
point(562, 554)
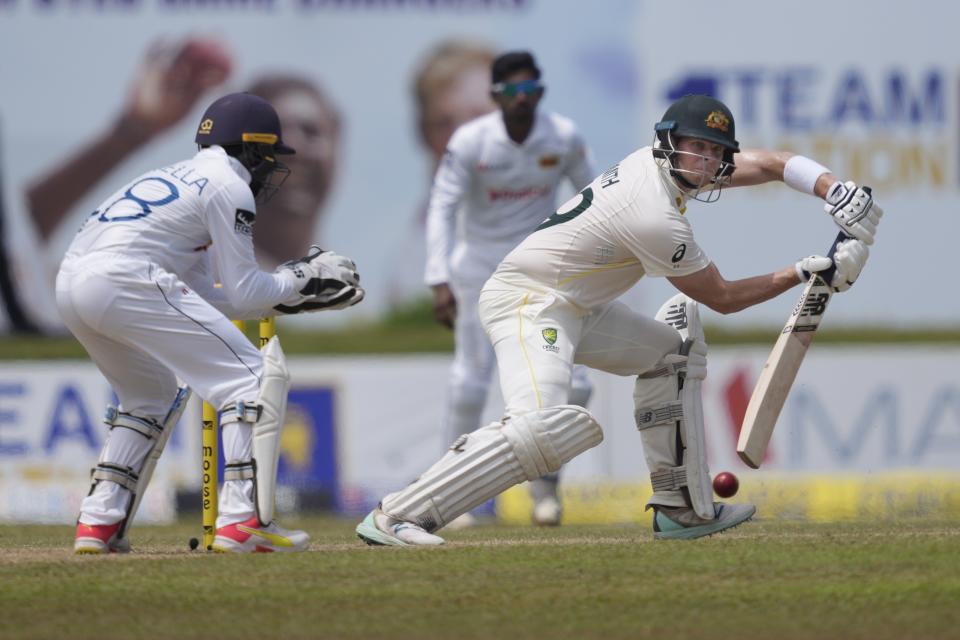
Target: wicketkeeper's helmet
point(241, 117)
point(248, 128)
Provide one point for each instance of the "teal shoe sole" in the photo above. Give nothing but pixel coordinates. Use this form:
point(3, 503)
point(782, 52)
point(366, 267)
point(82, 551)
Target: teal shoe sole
point(718, 526)
point(369, 533)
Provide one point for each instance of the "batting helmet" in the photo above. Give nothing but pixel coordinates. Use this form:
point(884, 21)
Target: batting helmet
point(704, 118)
point(699, 116)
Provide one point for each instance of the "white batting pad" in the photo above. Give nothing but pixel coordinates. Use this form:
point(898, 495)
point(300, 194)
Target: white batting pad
point(492, 459)
point(667, 398)
point(274, 385)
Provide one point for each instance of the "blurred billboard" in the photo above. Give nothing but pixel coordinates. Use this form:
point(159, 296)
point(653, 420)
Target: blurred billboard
point(96, 91)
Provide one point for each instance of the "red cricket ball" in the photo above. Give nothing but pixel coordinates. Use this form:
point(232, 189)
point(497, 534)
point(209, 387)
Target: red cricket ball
point(206, 58)
point(725, 484)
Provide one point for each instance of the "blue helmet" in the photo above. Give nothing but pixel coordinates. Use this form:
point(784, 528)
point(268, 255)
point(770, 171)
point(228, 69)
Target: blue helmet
point(248, 129)
point(241, 117)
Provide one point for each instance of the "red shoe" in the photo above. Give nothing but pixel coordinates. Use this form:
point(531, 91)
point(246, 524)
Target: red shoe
point(99, 538)
point(252, 537)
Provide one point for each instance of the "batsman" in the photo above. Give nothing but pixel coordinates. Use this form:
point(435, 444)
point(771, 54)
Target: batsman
point(138, 287)
point(552, 303)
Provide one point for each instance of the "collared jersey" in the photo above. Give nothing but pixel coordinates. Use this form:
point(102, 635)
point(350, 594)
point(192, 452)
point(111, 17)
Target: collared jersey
point(170, 216)
point(502, 190)
point(626, 224)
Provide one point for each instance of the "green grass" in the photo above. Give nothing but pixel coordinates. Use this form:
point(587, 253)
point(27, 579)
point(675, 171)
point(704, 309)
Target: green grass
point(389, 339)
point(411, 329)
point(766, 579)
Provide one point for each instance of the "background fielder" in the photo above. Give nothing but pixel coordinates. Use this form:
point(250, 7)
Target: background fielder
point(552, 302)
point(137, 290)
point(498, 180)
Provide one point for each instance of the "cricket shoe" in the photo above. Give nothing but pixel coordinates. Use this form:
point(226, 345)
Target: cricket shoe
point(380, 529)
point(250, 536)
point(682, 523)
point(99, 538)
point(547, 512)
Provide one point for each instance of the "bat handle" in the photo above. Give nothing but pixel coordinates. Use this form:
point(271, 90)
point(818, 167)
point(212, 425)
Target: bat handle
point(827, 274)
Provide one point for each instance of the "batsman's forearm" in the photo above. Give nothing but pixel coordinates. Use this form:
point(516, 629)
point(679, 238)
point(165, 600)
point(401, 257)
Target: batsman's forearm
point(741, 294)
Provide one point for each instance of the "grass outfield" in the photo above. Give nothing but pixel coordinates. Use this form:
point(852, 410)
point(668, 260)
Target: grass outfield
point(767, 579)
point(411, 329)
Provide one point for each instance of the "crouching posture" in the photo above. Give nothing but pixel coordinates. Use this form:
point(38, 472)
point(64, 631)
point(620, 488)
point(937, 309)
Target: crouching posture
point(136, 289)
point(552, 304)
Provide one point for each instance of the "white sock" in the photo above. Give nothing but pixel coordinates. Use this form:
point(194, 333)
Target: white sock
point(236, 496)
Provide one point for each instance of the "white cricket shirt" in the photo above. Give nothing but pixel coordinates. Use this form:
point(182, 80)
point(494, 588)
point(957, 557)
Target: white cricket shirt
point(171, 216)
point(628, 223)
point(501, 189)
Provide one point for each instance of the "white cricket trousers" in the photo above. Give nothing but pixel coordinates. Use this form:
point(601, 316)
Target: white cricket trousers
point(473, 364)
point(145, 329)
point(539, 336)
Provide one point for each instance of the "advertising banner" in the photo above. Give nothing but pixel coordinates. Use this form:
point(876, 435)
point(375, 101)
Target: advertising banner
point(360, 427)
point(96, 92)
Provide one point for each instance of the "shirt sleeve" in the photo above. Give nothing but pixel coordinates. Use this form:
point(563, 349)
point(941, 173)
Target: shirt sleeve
point(230, 218)
point(580, 169)
point(450, 186)
point(202, 280)
point(664, 244)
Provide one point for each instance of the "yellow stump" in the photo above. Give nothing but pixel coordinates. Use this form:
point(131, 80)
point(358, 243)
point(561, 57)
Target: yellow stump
point(211, 444)
point(210, 463)
point(268, 329)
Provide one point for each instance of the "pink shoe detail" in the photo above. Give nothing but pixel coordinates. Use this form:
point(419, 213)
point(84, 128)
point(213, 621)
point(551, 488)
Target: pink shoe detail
point(250, 536)
point(95, 538)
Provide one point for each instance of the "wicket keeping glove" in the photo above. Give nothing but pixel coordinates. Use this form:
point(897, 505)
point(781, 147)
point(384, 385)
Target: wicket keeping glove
point(323, 281)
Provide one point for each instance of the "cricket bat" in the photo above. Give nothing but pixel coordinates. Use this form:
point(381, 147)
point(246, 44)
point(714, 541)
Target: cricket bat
point(782, 365)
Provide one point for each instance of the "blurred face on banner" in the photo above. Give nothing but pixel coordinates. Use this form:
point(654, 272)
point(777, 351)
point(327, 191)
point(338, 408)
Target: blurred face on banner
point(452, 87)
point(311, 125)
point(312, 128)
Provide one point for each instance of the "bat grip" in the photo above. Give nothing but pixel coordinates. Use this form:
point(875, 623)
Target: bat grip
point(827, 274)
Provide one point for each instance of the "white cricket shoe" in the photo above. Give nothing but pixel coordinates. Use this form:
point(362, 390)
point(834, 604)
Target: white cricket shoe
point(547, 512)
point(682, 523)
point(380, 529)
point(250, 536)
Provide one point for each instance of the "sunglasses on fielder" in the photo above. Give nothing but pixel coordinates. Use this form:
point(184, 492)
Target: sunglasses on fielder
point(513, 89)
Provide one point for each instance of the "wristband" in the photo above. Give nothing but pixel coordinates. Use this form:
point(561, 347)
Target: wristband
point(801, 173)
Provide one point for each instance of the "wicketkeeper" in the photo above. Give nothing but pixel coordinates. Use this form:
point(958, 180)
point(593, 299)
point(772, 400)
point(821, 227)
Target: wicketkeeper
point(137, 288)
point(553, 302)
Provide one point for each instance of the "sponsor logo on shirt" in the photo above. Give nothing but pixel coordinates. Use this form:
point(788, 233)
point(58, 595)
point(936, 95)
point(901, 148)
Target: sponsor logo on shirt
point(483, 166)
point(528, 193)
point(550, 337)
point(610, 176)
point(244, 222)
point(549, 161)
point(603, 255)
